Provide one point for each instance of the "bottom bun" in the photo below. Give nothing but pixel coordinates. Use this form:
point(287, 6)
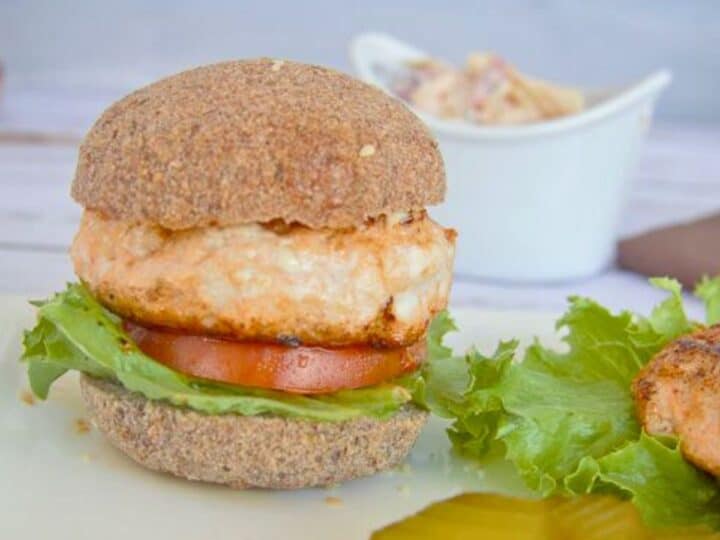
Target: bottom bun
point(248, 451)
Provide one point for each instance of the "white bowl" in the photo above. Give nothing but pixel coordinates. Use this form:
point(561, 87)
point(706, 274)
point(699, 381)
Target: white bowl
point(538, 202)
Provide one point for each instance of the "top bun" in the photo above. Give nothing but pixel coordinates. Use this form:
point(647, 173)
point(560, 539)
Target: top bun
point(257, 140)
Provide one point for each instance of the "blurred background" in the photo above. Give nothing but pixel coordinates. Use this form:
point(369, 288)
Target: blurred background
point(116, 45)
point(65, 61)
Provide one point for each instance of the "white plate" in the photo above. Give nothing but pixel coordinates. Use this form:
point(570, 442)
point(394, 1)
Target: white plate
point(56, 483)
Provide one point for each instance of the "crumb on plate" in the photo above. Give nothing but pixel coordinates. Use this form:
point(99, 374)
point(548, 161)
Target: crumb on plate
point(27, 397)
point(82, 426)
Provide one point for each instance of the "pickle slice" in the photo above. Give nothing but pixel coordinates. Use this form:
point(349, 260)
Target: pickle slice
point(496, 517)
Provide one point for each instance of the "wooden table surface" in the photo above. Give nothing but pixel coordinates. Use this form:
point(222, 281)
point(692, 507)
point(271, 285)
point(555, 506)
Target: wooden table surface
point(678, 179)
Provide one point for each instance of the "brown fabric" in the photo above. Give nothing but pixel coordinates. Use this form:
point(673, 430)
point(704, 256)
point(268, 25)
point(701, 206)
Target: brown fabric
point(685, 252)
point(257, 140)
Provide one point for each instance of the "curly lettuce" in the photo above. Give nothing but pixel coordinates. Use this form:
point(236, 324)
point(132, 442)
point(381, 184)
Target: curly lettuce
point(74, 332)
point(566, 419)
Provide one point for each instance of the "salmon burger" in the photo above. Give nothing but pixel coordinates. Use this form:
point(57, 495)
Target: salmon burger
point(257, 276)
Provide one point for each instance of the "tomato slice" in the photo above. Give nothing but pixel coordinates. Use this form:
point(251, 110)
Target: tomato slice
point(302, 370)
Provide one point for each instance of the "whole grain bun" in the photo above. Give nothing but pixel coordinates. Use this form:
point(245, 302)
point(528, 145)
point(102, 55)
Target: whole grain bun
point(257, 140)
point(248, 451)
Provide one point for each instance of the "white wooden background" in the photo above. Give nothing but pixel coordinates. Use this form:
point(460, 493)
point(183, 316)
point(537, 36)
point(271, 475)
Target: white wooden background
point(88, 44)
point(678, 179)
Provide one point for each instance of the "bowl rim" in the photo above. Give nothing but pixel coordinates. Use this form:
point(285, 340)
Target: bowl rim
point(365, 47)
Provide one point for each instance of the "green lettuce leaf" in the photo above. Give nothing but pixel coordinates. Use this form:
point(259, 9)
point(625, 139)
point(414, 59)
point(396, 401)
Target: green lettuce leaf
point(444, 377)
point(666, 489)
point(708, 290)
point(74, 332)
point(566, 419)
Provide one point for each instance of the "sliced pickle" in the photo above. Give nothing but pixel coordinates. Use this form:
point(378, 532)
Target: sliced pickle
point(496, 517)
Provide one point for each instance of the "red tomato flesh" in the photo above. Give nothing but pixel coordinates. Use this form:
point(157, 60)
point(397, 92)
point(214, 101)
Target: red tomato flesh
point(301, 370)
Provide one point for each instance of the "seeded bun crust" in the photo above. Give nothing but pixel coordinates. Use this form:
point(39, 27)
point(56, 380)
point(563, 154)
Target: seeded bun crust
point(257, 140)
point(248, 451)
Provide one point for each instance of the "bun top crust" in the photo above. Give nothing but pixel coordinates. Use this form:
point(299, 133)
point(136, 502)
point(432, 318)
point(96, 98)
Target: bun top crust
point(257, 140)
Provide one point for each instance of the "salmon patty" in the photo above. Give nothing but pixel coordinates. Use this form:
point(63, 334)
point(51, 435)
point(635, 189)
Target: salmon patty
point(380, 284)
point(678, 393)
